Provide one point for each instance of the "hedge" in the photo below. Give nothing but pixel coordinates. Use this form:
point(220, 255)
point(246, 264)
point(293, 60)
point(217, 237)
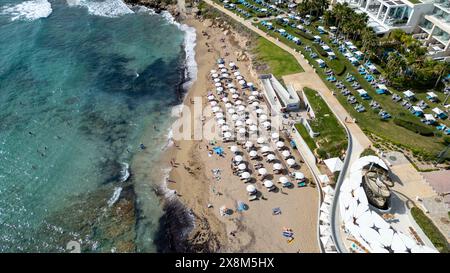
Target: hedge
point(415, 127)
point(305, 35)
point(432, 232)
point(337, 66)
point(321, 51)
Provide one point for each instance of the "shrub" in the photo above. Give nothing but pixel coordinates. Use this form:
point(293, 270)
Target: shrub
point(430, 230)
point(321, 51)
point(305, 35)
point(337, 66)
point(367, 152)
point(447, 140)
point(321, 153)
point(415, 127)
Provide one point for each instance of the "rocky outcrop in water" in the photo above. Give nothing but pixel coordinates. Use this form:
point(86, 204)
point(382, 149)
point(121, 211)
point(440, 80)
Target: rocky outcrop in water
point(157, 5)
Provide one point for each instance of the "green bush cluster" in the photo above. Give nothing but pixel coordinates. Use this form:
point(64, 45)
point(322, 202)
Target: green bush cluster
point(321, 51)
point(415, 127)
point(305, 35)
point(338, 67)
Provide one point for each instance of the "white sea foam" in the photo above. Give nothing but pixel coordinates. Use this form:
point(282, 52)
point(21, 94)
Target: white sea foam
point(190, 41)
point(28, 10)
point(106, 8)
point(125, 172)
point(115, 196)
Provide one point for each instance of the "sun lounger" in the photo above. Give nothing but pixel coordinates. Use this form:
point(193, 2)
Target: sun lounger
point(252, 198)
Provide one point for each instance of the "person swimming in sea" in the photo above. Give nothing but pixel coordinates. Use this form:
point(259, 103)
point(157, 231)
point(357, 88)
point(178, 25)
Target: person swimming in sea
point(142, 146)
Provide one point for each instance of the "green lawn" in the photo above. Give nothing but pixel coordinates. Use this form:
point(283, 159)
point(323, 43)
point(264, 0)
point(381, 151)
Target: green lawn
point(306, 137)
point(332, 138)
point(280, 62)
point(369, 121)
point(430, 230)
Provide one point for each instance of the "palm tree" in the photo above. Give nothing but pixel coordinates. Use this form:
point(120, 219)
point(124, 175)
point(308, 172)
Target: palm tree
point(370, 41)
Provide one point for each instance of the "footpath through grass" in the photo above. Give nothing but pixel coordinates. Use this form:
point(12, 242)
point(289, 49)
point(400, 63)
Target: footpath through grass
point(430, 230)
point(279, 62)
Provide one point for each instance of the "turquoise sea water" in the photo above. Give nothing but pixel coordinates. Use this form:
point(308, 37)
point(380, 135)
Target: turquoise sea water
point(81, 83)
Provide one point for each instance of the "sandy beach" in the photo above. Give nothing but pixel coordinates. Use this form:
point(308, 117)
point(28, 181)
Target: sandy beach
point(255, 229)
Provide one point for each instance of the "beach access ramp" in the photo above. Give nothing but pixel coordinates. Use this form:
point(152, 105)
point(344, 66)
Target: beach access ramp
point(280, 98)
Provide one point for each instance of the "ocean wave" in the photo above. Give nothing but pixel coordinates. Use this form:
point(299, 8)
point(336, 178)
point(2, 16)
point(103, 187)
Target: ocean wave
point(190, 41)
point(106, 8)
point(125, 172)
point(115, 196)
point(28, 10)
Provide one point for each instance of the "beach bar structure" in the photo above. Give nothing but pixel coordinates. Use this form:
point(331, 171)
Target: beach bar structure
point(280, 99)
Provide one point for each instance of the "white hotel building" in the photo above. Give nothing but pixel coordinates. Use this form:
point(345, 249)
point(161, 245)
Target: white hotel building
point(427, 20)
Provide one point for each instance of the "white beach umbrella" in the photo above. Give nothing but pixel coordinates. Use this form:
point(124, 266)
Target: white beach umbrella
point(213, 103)
point(219, 115)
point(239, 123)
point(378, 221)
point(255, 104)
point(249, 122)
point(213, 71)
point(235, 96)
point(251, 188)
point(263, 118)
point(218, 84)
point(225, 75)
point(370, 235)
point(250, 84)
point(227, 135)
point(280, 144)
point(262, 171)
point(299, 175)
point(265, 149)
point(409, 243)
point(271, 157)
point(245, 175)
point(211, 97)
point(228, 105)
point(261, 140)
point(223, 70)
point(268, 184)
point(286, 153)
point(241, 82)
point(251, 97)
point(259, 111)
point(232, 64)
point(234, 149)
point(266, 124)
point(230, 85)
point(239, 77)
point(233, 91)
point(231, 111)
point(241, 108)
point(221, 65)
point(242, 166)
point(325, 208)
point(219, 89)
point(290, 162)
point(215, 109)
point(234, 117)
point(255, 93)
point(237, 73)
point(248, 144)
point(225, 99)
point(225, 128)
point(253, 128)
point(277, 166)
point(242, 130)
point(221, 121)
point(215, 75)
point(238, 158)
point(238, 102)
point(216, 80)
point(253, 153)
point(283, 180)
point(275, 135)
